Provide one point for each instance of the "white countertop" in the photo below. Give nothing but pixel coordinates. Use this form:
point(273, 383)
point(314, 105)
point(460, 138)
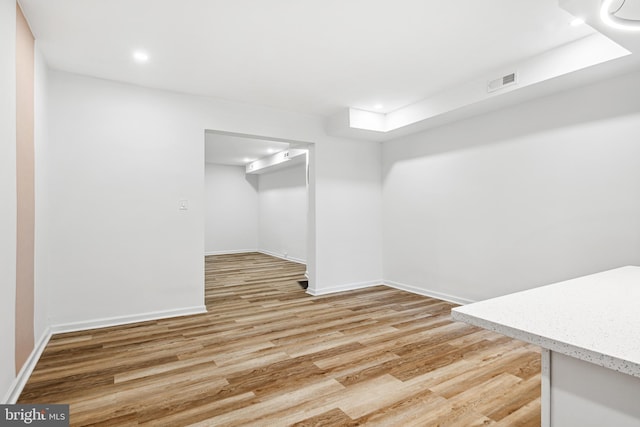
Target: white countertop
point(594, 318)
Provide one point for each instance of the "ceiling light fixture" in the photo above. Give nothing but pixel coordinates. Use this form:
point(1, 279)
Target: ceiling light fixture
point(140, 56)
point(609, 17)
point(378, 106)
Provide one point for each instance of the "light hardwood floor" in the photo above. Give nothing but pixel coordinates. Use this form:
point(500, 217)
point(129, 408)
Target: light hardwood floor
point(268, 354)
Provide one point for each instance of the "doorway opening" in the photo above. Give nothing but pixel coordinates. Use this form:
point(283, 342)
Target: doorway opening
point(260, 197)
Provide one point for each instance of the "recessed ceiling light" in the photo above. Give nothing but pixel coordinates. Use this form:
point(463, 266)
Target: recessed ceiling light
point(378, 106)
point(140, 56)
point(609, 17)
point(577, 22)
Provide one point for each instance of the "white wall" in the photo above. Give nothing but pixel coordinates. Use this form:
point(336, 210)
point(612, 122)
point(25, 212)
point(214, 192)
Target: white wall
point(282, 215)
point(120, 158)
point(7, 193)
point(231, 209)
point(348, 214)
point(43, 226)
point(265, 212)
point(538, 193)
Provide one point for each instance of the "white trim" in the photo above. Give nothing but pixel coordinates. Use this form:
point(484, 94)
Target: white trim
point(390, 284)
point(123, 320)
point(23, 376)
point(231, 252)
point(281, 256)
point(344, 288)
point(427, 292)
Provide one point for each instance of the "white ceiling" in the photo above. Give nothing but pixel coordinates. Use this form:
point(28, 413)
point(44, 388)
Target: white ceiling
point(314, 56)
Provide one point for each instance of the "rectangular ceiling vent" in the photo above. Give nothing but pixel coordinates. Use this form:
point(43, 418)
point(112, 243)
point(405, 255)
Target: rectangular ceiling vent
point(502, 82)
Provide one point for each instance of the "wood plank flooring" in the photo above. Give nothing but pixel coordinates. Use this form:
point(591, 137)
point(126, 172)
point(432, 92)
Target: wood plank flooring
point(268, 354)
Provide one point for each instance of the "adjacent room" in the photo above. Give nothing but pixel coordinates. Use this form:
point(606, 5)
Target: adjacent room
point(285, 212)
point(255, 196)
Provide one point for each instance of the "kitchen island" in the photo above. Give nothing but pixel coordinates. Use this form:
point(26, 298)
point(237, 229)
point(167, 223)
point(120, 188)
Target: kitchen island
point(589, 332)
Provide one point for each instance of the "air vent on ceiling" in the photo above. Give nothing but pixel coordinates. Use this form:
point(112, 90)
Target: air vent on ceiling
point(502, 82)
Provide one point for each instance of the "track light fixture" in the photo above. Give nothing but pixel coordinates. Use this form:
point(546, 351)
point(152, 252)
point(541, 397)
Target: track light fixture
point(609, 17)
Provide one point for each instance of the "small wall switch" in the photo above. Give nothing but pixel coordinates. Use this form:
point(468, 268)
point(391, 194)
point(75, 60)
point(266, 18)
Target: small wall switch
point(183, 205)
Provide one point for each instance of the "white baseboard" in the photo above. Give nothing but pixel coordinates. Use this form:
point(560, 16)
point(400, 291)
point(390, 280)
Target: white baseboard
point(428, 293)
point(21, 379)
point(123, 320)
point(281, 256)
point(234, 251)
point(344, 288)
point(391, 284)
